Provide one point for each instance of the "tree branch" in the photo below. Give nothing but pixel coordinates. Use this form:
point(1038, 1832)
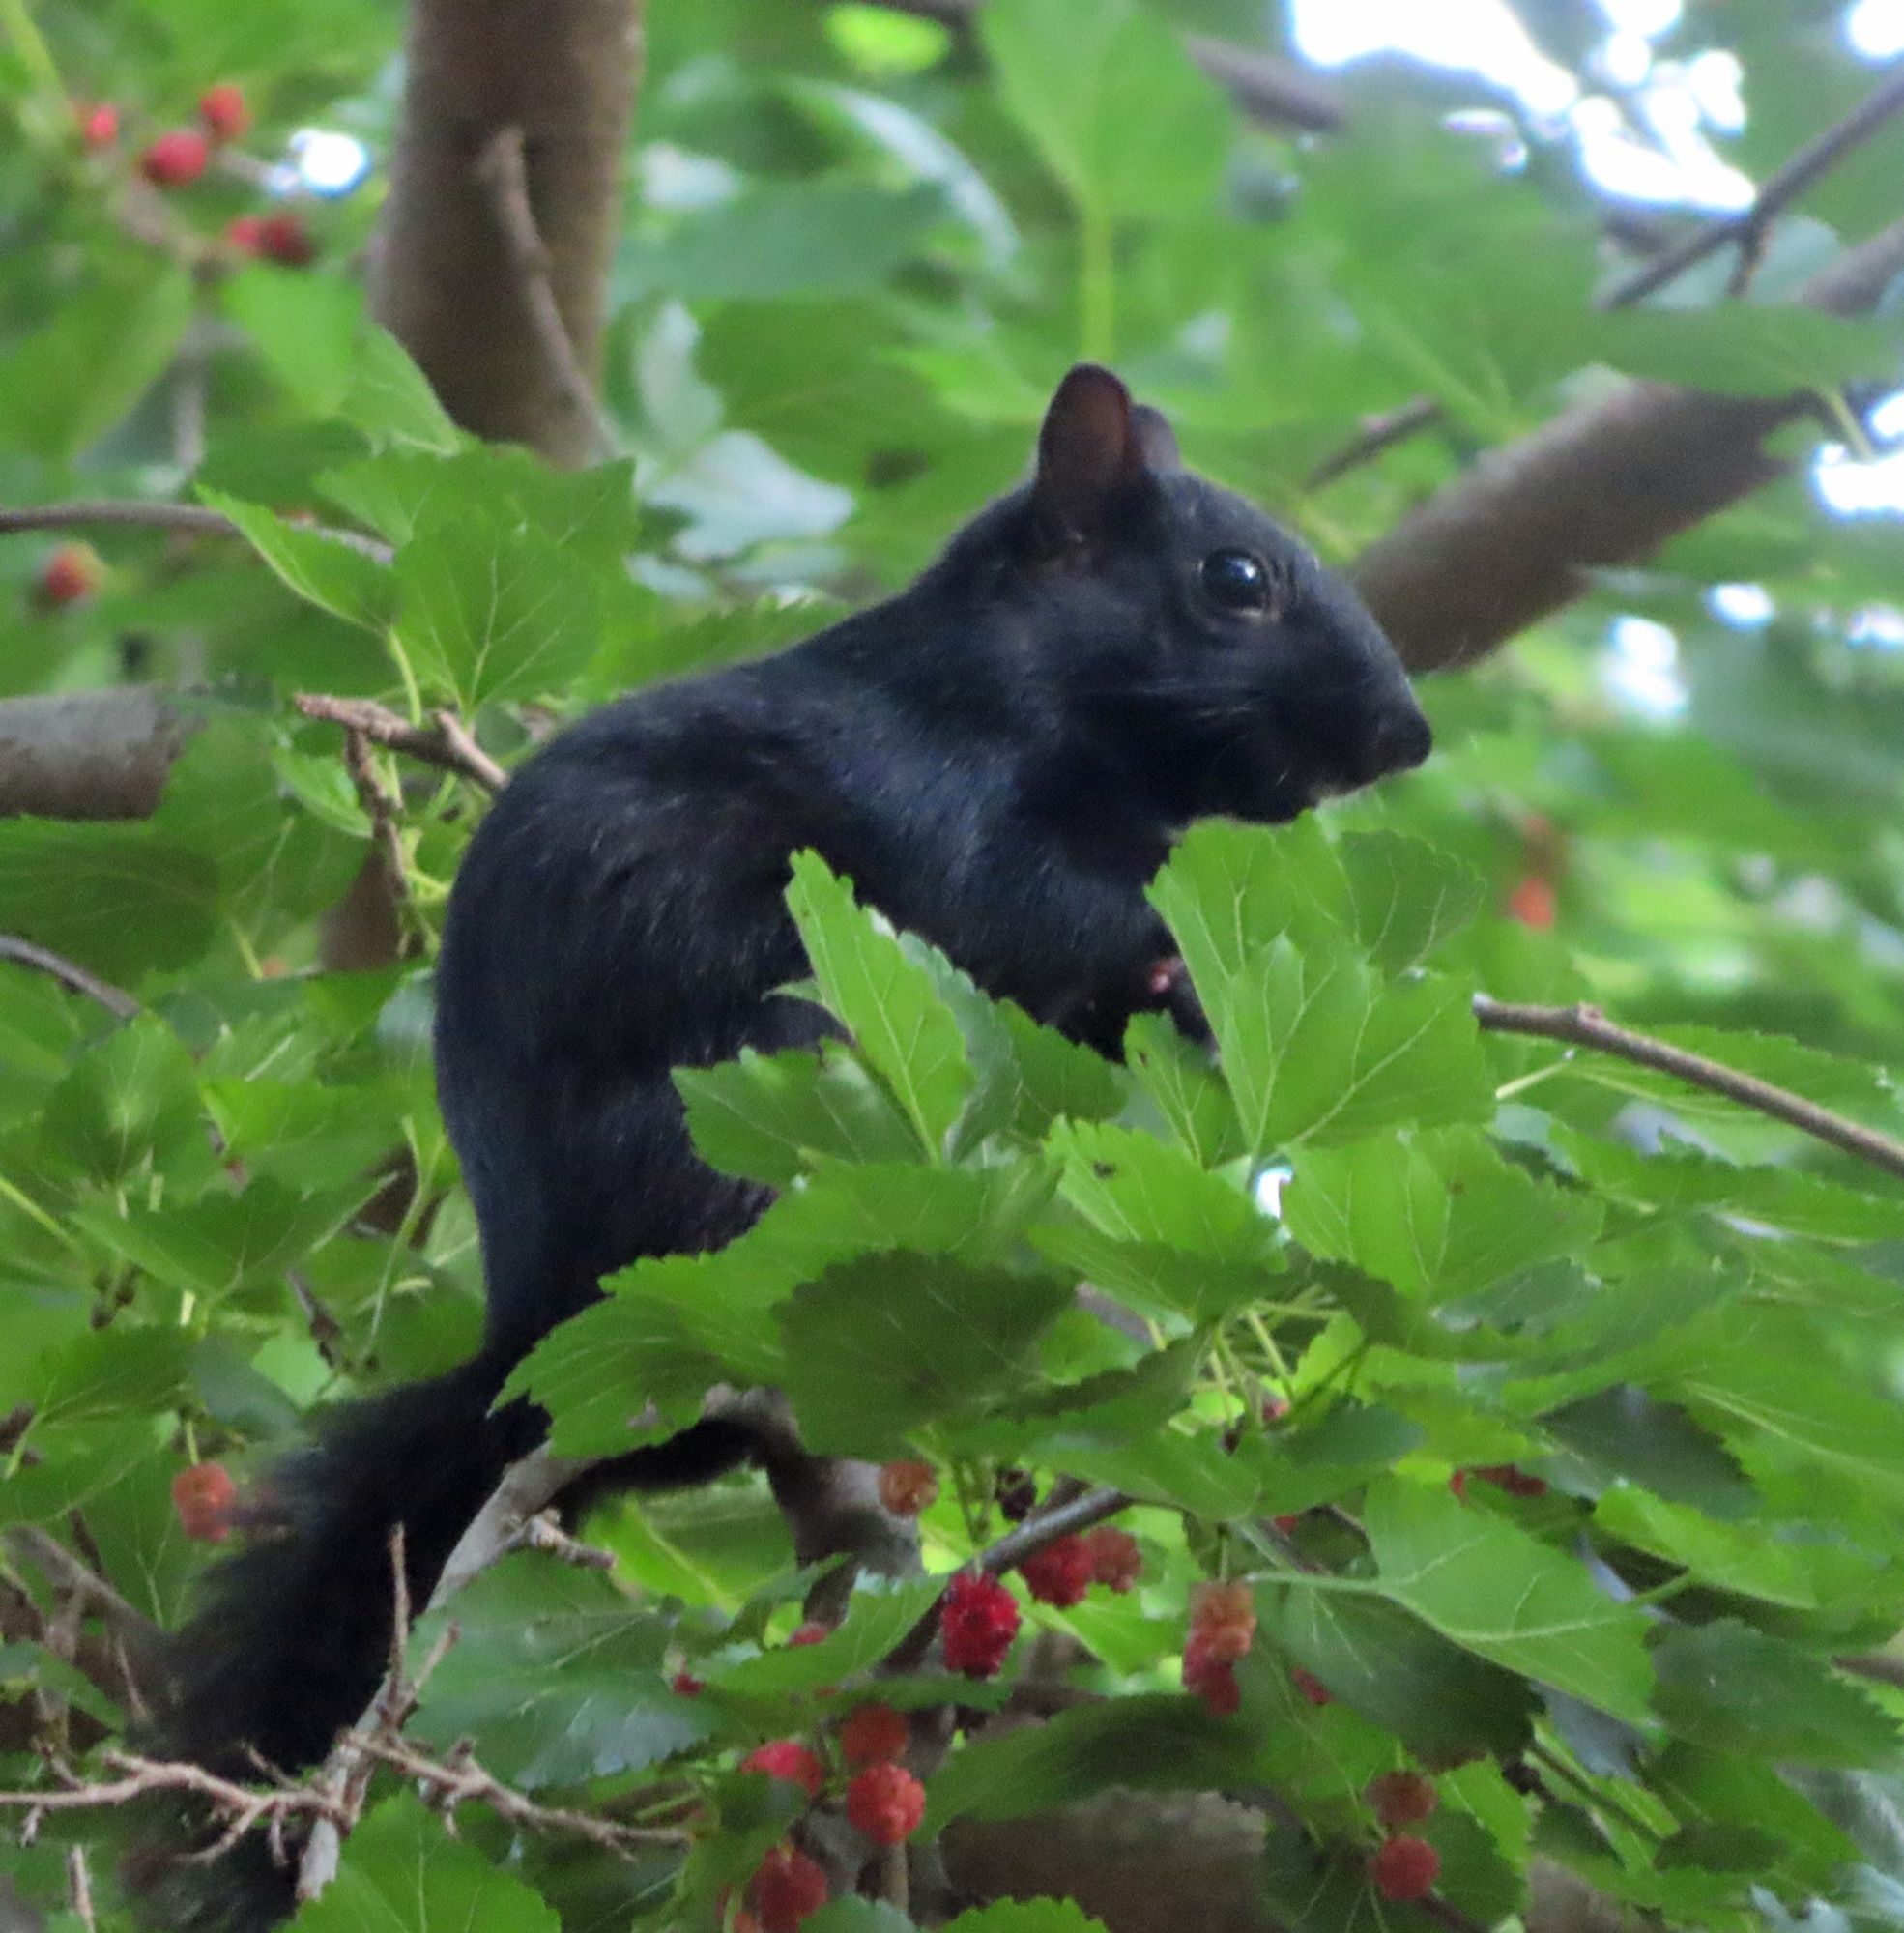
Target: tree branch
point(504, 174)
point(51, 1558)
point(447, 742)
point(74, 977)
point(1799, 175)
point(561, 72)
point(1588, 1026)
point(137, 513)
point(88, 754)
point(1607, 483)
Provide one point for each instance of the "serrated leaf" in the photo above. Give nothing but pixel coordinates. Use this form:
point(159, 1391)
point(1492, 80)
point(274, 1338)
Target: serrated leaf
point(1155, 1742)
point(1315, 1048)
point(1395, 1671)
point(1734, 1689)
point(401, 1872)
point(884, 998)
point(877, 1347)
point(486, 613)
point(1726, 1557)
point(880, 1615)
point(392, 401)
point(324, 570)
point(559, 1674)
point(1407, 897)
point(1228, 891)
point(1111, 101)
point(1493, 1590)
point(772, 1116)
point(118, 899)
point(1438, 1216)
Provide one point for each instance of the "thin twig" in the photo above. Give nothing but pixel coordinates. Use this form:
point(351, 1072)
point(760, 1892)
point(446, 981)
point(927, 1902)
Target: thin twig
point(543, 1533)
point(1376, 434)
point(1748, 228)
point(135, 513)
point(527, 1487)
point(1012, 1549)
point(447, 742)
point(79, 1889)
point(47, 1555)
point(75, 978)
point(140, 1777)
point(1587, 1026)
point(324, 1328)
point(502, 170)
point(457, 1780)
point(382, 806)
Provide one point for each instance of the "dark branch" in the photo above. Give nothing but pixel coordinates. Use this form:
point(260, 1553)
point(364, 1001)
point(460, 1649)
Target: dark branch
point(447, 742)
point(1588, 1026)
point(74, 977)
point(1749, 227)
point(503, 174)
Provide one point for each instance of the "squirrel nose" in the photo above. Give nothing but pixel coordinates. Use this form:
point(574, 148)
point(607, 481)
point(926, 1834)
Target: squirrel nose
point(1400, 741)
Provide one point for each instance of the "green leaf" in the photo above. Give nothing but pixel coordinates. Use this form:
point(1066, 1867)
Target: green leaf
point(220, 1244)
point(305, 327)
point(392, 401)
point(772, 1116)
point(65, 385)
point(1745, 349)
point(132, 1099)
point(885, 998)
point(1733, 1688)
point(1111, 101)
point(784, 239)
point(1407, 896)
point(401, 1872)
point(1493, 1590)
point(1028, 1916)
point(878, 1615)
point(121, 900)
point(1438, 1216)
point(1228, 891)
point(1155, 1744)
point(1315, 1048)
point(324, 570)
point(1396, 1672)
point(486, 613)
point(1726, 1557)
point(560, 1676)
point(878, 1346)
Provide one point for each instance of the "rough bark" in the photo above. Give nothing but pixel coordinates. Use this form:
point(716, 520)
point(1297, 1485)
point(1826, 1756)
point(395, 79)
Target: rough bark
point(88, 754)
point(562, 72)
point(1512, 539)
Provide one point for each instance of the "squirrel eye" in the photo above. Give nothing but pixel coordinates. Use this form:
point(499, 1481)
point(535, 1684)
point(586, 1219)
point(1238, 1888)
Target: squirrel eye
point(1237, 580)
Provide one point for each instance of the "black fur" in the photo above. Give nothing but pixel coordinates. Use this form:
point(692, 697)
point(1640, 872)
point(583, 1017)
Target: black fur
point(998, 757)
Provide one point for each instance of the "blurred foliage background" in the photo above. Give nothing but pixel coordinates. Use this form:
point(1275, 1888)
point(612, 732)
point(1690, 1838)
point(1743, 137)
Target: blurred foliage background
point(858, 247)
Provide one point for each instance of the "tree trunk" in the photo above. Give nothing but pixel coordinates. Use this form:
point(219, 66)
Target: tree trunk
point(564, 73)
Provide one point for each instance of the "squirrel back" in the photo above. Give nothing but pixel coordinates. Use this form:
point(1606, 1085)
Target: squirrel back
point(998, 757)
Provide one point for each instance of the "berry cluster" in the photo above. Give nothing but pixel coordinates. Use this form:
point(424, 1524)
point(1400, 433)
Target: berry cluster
point(978, 1620)
point(204, 1497)
point(179, 157)
point(1222, 1626)
point(1404, 1867)
point(907, 1486)
point(883, 1802)
point(72, 574)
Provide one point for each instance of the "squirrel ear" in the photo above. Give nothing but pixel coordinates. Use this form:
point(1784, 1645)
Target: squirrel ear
point(1088, 448)
point(1155, 439)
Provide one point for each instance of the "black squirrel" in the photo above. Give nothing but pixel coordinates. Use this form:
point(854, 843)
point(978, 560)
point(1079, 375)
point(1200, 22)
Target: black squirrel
point(1000, 758)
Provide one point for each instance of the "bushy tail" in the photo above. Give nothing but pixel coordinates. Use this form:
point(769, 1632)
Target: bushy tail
point(295, 1632)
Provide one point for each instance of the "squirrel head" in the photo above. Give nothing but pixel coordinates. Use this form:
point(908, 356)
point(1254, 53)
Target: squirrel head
point(1198, 644)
